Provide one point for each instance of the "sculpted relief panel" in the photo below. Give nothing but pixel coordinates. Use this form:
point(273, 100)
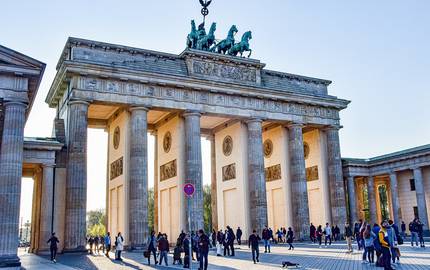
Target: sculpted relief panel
point(168, 170)
point(312, 173)
point(273, 173)
point(116, 168)
point(220, 71)
point(229, 172)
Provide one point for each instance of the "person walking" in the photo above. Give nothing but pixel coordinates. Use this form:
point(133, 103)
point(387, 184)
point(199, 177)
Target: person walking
point(102, 244)
point(186, 245)
point(108, 244)
point(53, 241)
point(225, 243)
point(290, 238)
point(253, 243)
point(219, 242)
point(328, 234)
point(91, 243)
point(403, 228)
point(163, 247)
point(413, 228)
point(214, 238)
point(280, 236)
point(152, 247)
point(312, 233)
point(369, 249)
point(319, 235)
point(96, 244)
point(239, 235)
point(119, 246)
point(385, 246)
point(348, 236)
point(231, 237)
point(266, 238)
point(420, 232)
point(392, 240)
point(203, 246)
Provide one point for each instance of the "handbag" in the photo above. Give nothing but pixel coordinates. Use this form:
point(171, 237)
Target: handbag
point(146, 254)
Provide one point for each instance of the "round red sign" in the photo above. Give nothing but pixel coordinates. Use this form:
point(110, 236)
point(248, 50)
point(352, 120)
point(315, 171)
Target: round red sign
point(189, 189)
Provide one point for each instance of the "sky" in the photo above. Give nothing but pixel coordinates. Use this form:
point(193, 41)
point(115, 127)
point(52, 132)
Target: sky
point(375, 52)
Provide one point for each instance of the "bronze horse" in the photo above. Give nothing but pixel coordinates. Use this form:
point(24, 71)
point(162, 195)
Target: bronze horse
point(207, 41)
point(224, 45)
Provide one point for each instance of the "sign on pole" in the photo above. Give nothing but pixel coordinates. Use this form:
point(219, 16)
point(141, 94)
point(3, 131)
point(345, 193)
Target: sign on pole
point(189, 189)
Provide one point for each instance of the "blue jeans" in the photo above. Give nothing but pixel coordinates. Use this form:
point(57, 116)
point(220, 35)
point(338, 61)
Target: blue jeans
point(414, 238)
point(203, 257)
point(266, 245)
point(163, 254)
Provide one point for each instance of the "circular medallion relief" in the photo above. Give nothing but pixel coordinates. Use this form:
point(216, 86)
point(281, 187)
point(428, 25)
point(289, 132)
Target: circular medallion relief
point(227, 145)
point(306, 149)
point(167, 142)
point(268, 148)
point(116, 138)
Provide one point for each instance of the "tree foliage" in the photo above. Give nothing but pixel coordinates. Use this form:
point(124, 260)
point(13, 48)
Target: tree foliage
point(151, 209)
point(207, 208)
point(96, 222)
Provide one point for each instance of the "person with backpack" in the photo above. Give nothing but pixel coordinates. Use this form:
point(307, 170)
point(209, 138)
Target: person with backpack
point(253, 243)
point(369, 249)
point(348, 236)
point(385, 246)
point(152, 247)
point(376, 243)
point(319, 235)
point(230, 238)
point(290, 238)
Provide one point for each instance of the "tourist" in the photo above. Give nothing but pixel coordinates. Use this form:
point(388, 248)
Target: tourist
point(271, 235)
point(385, 246)
point(102, 244)
point(195, 244)
point(214, 237)
point(53, 247)
point(220, 241)
point(357, 234)
point(403, 228)
point(177, 252)
point(152, 244)
point(369, 249)
point(163, 247)
point(290, 238)
point(328, 234)
point(91, 243)
point(336, 233)
point(253, 243)
point(319, 235)
point(348, 236)
point(279, 235)
point(225, 244)
point(230, 239)
point(119, 246)
point(413, 228)
point(392, 239)
point(312, 233)
point(420, 233)
point(376, 243)
point(266, 238)
point(362, 229)
point(108, 244)
point(203, 246)
point(239, 236)
point(186, 246)
point(96, 244)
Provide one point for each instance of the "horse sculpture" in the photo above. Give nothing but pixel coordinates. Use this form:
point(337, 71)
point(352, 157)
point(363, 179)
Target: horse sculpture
point(242, 46)
point(224, 45)
point(192, 36)
point(207, 41)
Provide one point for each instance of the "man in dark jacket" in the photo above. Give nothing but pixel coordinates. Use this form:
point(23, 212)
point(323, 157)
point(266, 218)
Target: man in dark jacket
point(266, 237)
point(203, 250)
point(53, 247)
point(239, 236)
point(312, 232)
point(348, 236)
point(186, 246)
point(230, 240)
point(253, 243)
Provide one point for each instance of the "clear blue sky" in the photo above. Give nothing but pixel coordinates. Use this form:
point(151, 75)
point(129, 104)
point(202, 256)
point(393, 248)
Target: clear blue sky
point(375, 52)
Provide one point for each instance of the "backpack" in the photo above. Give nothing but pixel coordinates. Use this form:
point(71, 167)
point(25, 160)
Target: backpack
point(377, 244)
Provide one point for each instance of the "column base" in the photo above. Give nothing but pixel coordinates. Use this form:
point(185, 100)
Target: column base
point(11, 262)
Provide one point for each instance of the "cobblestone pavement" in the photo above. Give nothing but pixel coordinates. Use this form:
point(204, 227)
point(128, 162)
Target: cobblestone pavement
point(309, 256)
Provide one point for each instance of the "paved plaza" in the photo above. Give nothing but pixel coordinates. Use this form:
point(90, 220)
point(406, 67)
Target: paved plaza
point(308, 256)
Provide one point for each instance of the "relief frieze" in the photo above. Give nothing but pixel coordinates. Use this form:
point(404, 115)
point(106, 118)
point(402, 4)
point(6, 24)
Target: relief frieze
point(229, 172)
point(312, 173)
point(273, 173)
point(168, 170)
point(116, 168)
point(221, 71)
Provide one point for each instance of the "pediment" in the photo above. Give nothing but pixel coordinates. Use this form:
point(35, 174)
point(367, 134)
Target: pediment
point(9, 57)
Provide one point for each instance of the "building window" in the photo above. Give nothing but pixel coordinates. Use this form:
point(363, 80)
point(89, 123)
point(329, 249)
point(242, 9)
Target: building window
point(412, 183)
point(416, 215)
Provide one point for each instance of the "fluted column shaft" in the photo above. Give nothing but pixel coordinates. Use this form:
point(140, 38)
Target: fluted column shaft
point(155, 181)
point(371, 199)
point(395, 202)
point(299, 188)
point(256, 178)
point(46, 206)
point(352, 201)
point(11, 156)
point(214, 203)
point(76, 181)
point(337, 190)
point(138, 178)
point(421, 199)
point(193, 167)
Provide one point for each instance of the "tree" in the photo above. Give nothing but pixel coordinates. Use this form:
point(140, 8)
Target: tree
point(95, 222)
point(207, 208)
point(151, 221)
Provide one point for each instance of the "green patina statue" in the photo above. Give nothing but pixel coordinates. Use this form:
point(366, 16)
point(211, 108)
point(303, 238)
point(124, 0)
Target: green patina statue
point(193, 36)
point(242, 46)
point(205, 42)
point(224, 45)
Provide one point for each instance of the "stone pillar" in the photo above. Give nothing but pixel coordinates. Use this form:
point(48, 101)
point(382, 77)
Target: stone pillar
point(193, 167)
point(352, 201)
point(155, 134)
point(46, 206)
point(76, 182)
point(372, 199)
point(214, 196)
point(138, 179)
point(421, 199)
point(10, 181)
point(335, 175)
point(395, 202)
point(299, 188)
point(256, 177)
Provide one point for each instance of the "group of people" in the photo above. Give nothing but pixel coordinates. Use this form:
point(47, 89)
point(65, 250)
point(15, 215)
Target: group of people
point(103, 244)
point(329, 234)
point(417, 234)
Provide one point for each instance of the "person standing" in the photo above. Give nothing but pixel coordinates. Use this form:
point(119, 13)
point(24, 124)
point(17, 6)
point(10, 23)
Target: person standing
point(253, 243)
point(220, 241)
point(102, 244)
point(163, 247)
point(91, 243)
point(266, 238)
point(385, 246)
point(420, 232)
point(239, 236)
point(231, 238)
point(413, 228)
point(108, 244)
point(119, 246)
point(96, 244)
point(152, 244)
point(328, 233)
point(225, 243)
point(203, 250)
point(186, 245)
point(290, 238)
point(348, 236)
point(369, 249)
point(319, 235)
point(403, 228)
point(312, 233)
point(53, 247)
point(392, 239)
point(214, 236)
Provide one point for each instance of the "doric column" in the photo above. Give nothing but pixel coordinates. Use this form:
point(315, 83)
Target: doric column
point(256, 178)
point(352, 201)
point(371, 199)
point(395, 202)
point(76, 182)
point(138, 179)
point(335, 175)
point(10, 181)
point(421, 199)
point(46, 205)
point(193, 167)
point(155, 134)
point(214, 205)
point(299, 188)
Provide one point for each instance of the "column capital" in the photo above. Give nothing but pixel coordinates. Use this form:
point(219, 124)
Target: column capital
point(416, 168)
point(7, 103)
point(46, 165)
point(78, 101)
point(192, 113)
point(253, 120)
point(138, 108)
point(294, 125)
point(332, 128)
